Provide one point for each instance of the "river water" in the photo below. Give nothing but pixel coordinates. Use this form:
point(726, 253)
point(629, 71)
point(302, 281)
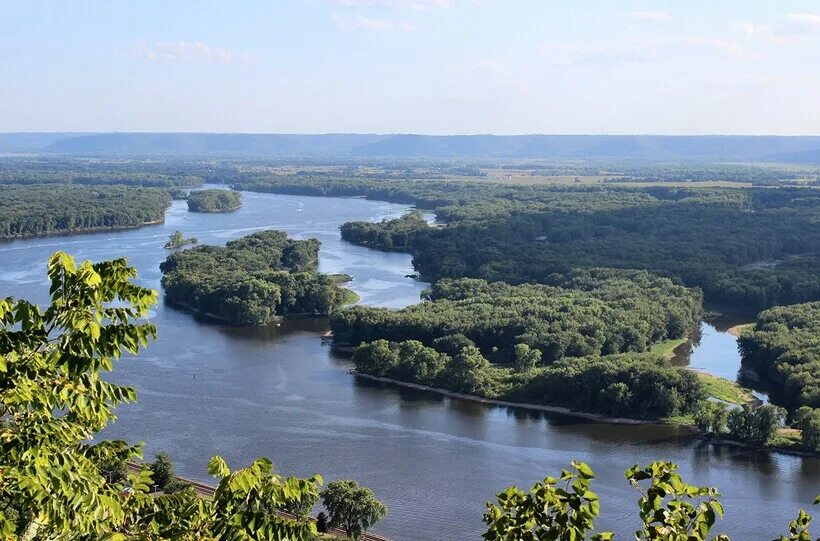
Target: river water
point(206, 389)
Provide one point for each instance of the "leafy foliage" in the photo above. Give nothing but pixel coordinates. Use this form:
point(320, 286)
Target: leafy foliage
point(672, 510)
point(711, 416)
point(54, 399)
point(352, 507)
point(808, 421)
point(53, 483)
point(636, 385)
point(575, 327)
point(755, 425)
point(548, 511)
point(564, 509)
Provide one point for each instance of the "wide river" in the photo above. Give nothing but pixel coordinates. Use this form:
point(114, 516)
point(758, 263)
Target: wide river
point(205, 389)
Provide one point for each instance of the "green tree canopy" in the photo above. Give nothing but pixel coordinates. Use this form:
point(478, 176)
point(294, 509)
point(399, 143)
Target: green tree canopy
point(352, 507)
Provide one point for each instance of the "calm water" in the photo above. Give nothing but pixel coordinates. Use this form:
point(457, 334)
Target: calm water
point(205, 389)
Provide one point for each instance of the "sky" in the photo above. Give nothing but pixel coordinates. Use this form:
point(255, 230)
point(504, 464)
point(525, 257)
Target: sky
point(411, 66)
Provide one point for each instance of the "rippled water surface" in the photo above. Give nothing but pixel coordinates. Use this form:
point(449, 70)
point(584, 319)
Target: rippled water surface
point(206, 389)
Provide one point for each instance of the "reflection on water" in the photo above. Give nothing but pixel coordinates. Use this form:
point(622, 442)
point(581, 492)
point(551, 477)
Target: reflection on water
point(208, 389)
point(714, 350)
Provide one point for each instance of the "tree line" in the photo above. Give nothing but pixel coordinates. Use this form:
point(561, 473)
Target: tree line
point(60, 482)
point(44, 209)
point(99, 172)
point(253, 280)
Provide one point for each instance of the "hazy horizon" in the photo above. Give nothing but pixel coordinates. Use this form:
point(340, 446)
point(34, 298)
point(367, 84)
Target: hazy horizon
point(431, 67)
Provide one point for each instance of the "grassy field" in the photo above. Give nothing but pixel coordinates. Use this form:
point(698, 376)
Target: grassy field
point(725, 390)
point(667, 347)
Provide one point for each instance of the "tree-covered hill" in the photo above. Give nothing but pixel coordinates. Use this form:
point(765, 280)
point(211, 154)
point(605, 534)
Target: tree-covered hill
point(413, 146)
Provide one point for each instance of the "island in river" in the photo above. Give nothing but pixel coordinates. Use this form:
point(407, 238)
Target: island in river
point(253, 280)
point(214, 200)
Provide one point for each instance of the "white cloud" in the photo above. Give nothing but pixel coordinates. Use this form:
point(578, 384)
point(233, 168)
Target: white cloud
point(790, 29)
point(798, 24)
point(403, 4)
point(361, 23)
point(186, 51)
point(565, 53)
point(649, 15)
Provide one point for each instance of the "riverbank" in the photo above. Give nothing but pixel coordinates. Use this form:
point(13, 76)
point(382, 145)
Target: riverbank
point(217, 211)
point(737, 329)
point(790, 449)
point(81, 231)
point(793, 450)
point(505, 403)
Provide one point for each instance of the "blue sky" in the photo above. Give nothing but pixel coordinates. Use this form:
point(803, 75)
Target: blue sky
point(421, 66)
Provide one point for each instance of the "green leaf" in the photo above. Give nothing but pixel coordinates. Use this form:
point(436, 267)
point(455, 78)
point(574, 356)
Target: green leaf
point(218, 467)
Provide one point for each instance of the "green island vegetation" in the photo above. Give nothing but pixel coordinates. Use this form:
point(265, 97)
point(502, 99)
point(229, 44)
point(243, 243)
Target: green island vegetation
point(178, 240)
point(215, 200)
point(748, 248)
point(69, 485)
point(48, 209)
point(581, 343)
point(253, 280)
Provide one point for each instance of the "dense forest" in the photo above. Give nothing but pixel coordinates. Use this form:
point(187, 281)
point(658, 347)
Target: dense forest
point(44, 209)
point(752, 248)
point(252, 280)
point(590, 312)
point(577, 343)
point(96, 172)
point(784, 347)
point(214, 200)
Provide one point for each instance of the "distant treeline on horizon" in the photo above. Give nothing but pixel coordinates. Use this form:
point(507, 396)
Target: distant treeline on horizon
point(765, 148)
